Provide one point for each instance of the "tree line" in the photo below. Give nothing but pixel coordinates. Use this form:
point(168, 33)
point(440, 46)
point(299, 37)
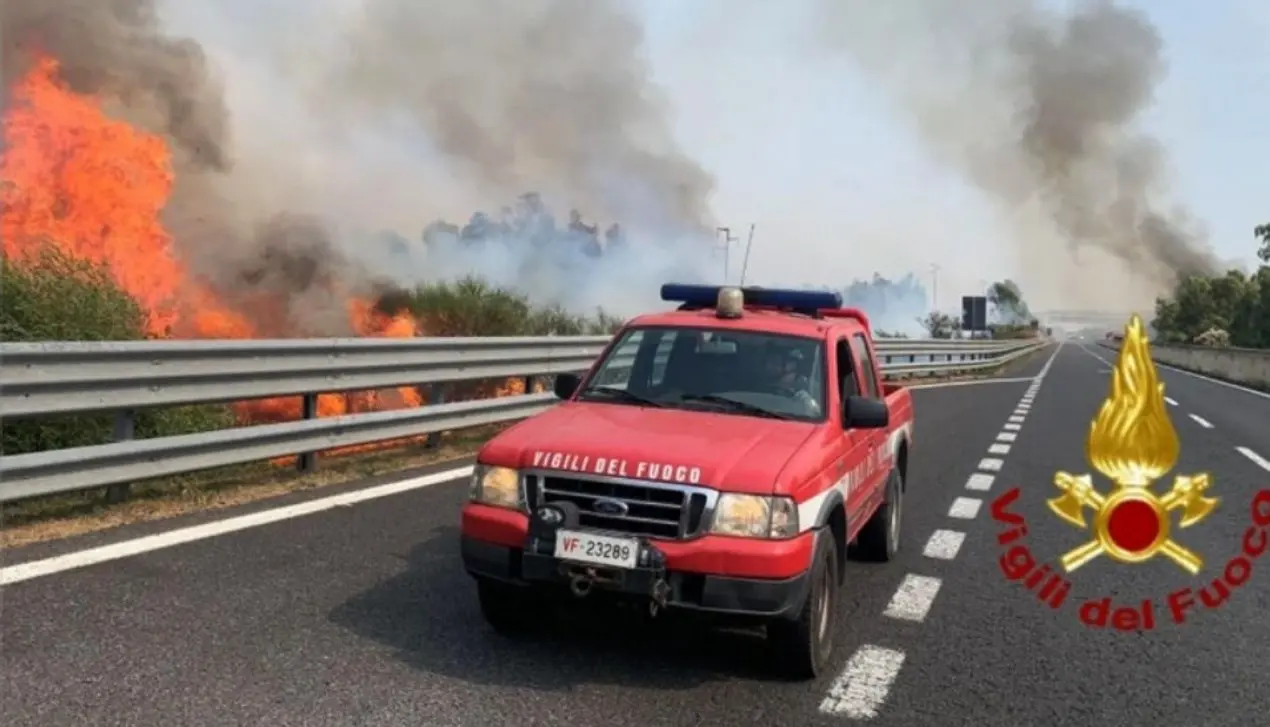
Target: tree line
point(1231, 309)
point(1008, 315)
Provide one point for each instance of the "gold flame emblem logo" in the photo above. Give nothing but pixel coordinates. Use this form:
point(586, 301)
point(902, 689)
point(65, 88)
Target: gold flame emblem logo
point(1132, 442)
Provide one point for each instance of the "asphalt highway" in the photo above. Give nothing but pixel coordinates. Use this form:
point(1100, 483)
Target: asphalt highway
point(360, 614)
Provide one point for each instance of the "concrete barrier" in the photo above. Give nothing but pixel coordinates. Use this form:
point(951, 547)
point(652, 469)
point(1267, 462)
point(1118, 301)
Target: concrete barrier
point(1246, 366)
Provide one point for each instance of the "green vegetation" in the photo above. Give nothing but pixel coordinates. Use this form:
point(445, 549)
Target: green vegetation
point(472, 307)
point(57, 298)
point(1232, 309)
point(60, 299)
point(1009, 316)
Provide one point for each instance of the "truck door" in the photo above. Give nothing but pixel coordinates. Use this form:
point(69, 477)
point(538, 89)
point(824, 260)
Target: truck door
point(853, 452)
point(876, 463)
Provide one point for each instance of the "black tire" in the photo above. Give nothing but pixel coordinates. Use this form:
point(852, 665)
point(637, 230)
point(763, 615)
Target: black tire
point(879, 540)
point(509, 610)
point(802, 647)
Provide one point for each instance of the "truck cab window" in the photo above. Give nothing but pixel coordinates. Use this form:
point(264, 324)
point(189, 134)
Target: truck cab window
point(868, 371)
point(741, 373)
point(846, 371)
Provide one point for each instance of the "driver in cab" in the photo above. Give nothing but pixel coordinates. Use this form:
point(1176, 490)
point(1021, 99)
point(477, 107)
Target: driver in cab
point(781, 374)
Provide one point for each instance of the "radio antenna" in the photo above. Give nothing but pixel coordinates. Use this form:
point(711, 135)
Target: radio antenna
point(745, 264)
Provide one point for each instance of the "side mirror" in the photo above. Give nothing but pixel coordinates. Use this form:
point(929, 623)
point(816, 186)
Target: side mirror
point(860, 412)
point(566, 385)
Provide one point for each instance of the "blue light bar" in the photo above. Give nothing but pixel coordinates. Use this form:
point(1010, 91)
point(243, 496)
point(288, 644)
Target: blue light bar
point(705, 296)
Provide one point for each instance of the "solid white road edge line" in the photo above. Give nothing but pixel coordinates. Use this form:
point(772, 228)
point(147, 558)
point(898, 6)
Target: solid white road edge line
point(1192, 374)
point(79, 559)
point(972, 382)
point(862, 687)
point(1046, 368)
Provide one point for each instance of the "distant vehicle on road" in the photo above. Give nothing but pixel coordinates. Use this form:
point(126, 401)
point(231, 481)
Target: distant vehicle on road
point(719, 459)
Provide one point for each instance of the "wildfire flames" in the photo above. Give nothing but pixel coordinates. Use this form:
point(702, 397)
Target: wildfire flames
point(94, 187)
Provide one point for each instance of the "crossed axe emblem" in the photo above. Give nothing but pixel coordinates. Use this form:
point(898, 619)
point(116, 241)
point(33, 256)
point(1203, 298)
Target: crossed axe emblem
point(1187, 495)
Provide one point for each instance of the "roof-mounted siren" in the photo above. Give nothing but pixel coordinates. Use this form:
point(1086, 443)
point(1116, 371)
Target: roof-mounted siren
point(729, 301)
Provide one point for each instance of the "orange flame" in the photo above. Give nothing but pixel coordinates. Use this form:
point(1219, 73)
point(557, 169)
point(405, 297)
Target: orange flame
point(94, 187)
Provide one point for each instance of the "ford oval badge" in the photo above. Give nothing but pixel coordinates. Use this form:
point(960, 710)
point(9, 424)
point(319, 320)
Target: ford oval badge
point(607, 506)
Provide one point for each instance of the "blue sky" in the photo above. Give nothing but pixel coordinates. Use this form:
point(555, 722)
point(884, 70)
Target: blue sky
point(834, 177)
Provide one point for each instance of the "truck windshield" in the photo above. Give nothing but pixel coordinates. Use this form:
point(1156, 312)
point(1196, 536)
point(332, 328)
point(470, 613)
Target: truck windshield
point(744, 373)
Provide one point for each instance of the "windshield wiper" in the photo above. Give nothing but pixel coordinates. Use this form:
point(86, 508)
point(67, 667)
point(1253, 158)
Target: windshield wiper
point(737, 406)
point(613, 392)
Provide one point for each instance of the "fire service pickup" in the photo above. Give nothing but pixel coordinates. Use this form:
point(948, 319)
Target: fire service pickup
point(722, 459)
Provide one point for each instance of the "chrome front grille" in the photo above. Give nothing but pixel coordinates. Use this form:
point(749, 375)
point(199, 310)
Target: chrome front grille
point(653, 509)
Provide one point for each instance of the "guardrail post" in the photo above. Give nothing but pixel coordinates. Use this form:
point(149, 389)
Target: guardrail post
point(307, 461)
point(125, 428)
point(435, 394)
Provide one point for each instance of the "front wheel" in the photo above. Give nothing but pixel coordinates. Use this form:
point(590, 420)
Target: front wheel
point(802, 647)
point(509, 610)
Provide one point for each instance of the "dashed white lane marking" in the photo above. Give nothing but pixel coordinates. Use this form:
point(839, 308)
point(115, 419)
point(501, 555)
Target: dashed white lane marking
point(913, 599)
point(862, 687)
point(980, 482)
point(114, 551)
point(1007, 437)
point(1257, 459)
point(1012, 427)
point(865, 682)
point(1171, 400)
point(944, 544)
point(965, 508)
point(1201, 421)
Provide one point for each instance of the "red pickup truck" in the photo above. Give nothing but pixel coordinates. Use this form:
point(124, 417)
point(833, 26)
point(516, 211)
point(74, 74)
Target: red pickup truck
point(722, 458)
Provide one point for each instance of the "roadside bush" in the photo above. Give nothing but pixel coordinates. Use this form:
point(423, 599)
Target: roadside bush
point(1235, 302)
point(472, 307)
point(56, 298)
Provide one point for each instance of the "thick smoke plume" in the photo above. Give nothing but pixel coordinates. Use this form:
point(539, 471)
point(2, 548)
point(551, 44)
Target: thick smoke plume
point(551, 95)
point(1041, 110)
point(494, 96)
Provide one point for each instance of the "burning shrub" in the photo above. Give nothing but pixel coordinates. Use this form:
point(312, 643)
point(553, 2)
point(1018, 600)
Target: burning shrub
point(55, 297)
point(88, 257)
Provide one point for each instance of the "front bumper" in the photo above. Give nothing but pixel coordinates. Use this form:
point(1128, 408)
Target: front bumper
point(749, 578)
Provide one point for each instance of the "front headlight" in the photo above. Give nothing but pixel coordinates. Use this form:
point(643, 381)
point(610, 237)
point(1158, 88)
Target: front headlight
point(755, 516)
point(497, 486)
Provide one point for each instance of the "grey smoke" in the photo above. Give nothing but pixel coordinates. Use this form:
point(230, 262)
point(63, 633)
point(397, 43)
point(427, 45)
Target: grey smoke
point(545, 95)
point(1041, 109)
point(551, 95)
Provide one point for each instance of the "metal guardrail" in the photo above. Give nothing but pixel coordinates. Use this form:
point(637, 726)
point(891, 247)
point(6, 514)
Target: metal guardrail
point(60, 378)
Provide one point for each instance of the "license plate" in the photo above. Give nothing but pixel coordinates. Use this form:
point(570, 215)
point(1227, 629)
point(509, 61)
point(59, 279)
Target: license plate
point(595, 549)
